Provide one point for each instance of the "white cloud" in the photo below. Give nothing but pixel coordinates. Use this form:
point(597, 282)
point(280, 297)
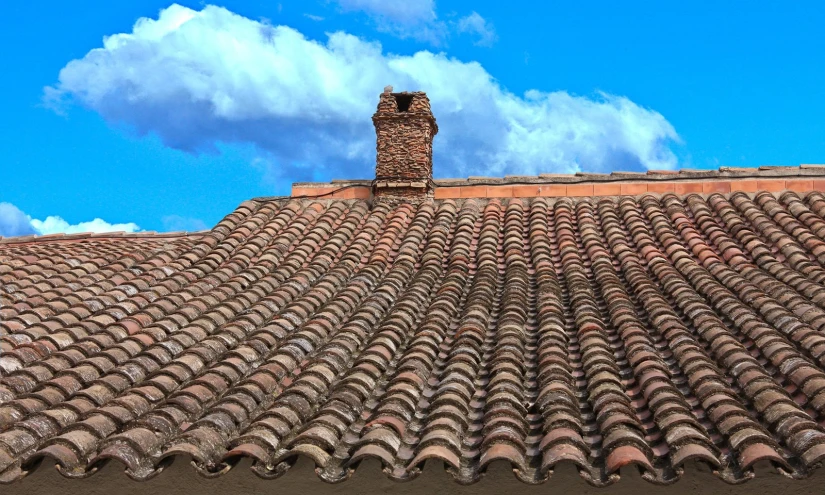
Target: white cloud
point(404, 12)
point(418, 19)
point(13, 222)
point(476, 25)
point(405, 19)
point(56, 225)
point(196, 78)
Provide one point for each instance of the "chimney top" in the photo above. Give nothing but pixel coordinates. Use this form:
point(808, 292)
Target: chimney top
point(405, 127)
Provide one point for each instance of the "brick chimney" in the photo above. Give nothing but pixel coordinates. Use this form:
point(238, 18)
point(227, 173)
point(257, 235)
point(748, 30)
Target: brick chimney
point(405, 127)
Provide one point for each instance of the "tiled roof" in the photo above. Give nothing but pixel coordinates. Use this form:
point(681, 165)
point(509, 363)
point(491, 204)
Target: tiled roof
point(602, 332)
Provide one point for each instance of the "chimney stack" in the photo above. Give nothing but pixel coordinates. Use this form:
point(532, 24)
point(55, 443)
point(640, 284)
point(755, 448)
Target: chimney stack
point(405, 127)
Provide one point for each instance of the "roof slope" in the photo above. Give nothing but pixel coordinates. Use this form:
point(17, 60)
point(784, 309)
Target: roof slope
point(601, 332)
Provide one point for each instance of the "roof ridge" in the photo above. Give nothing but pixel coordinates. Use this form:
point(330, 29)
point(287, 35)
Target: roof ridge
point(682, 174)
point(624, 183)
point(75, 236)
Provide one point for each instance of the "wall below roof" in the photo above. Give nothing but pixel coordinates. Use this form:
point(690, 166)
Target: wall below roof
point(623, 188)
point(333, 190)
point(181, 479)
point(627, 188)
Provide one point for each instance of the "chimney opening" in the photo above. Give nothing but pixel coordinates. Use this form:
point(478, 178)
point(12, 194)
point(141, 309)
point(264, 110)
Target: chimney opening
point(403, 101)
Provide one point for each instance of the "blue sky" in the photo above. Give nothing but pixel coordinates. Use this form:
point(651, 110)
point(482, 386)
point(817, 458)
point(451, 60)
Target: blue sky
point(195, 108)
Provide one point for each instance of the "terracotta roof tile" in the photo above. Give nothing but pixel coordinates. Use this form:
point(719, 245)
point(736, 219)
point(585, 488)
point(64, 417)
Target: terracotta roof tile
point(605, 332)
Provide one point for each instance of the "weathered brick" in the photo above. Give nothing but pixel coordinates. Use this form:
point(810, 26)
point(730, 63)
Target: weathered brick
point(474, 191)
point(772, 185)
point(312, 192)
point(661, 187)
point(580, 190)
point(553, 190)
point(499, 191)
point(607, 189)
point(716, 186)
point(800, 185)
point(688, 187)
point(404, 128)
point(447, 192)
point(634, 187)
point(744, 185)
point(527, 191)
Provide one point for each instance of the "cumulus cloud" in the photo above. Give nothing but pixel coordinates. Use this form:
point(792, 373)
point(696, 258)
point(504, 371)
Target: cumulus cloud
point(13, 222)
point(406, 12)
point(56, 225)
point(196, 78)
point(478, 26)
point(406, 19)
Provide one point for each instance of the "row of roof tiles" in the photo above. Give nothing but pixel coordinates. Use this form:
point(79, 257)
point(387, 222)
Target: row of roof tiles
point(145, 234)
point(765, 171)
point(804, 170)
point(804, 178)
point(631, 188)
point(640, 331)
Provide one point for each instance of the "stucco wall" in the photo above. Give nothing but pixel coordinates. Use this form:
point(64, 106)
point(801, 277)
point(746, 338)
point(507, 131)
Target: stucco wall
point(180, 479)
